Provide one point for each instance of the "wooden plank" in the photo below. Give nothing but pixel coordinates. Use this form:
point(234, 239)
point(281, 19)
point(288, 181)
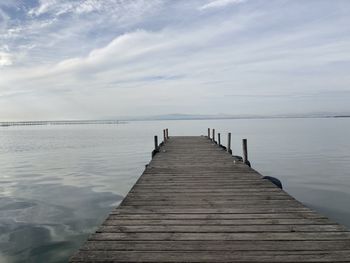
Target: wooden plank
point(117, 220)
point(223, 236)
point(217, 203)
point(218, 228)
point(260, 188)
point(191, 210)
point(227, 194)
point(198, 245)
point(228, 184)
point(203, 191)
point(190, 217)
point(232, 256)
point(202, 198)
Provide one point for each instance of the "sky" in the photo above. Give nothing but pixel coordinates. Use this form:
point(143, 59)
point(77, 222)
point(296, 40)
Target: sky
point(94, 59)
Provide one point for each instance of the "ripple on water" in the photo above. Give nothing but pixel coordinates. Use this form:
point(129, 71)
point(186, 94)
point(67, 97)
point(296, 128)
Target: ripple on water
point(51, 226)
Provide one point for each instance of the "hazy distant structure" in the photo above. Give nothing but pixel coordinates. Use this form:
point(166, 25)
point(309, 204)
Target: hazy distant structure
point(31, 123)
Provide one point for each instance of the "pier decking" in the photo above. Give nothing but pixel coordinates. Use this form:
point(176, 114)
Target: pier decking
point(196, 203)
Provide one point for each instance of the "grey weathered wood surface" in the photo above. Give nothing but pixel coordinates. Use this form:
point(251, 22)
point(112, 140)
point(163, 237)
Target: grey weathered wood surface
point(196, 203)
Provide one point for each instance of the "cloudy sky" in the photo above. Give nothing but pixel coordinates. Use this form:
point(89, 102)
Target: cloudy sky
point(84, 59)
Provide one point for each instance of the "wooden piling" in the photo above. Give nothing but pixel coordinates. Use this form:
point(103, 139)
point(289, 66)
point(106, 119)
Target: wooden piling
point(219, 139)
point(229, 143)
point(155, 142)
point(167, 133)
point(209, 133)
point(164, 135)
point(245, 152)
point(213, 135)
point(156, 146)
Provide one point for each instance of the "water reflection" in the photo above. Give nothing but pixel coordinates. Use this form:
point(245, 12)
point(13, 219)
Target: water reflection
point(47, 228)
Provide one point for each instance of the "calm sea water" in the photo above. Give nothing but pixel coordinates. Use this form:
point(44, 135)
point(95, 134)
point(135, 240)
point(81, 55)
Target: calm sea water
point(58, 183)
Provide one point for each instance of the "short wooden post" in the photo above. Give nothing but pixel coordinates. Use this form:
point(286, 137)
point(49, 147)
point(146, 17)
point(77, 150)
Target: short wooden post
point(156, 147)
point(167, 133)
point(208, 133)
point(164, 135)
point(219, 139)
point(245, 152)
point(155, 142)
point(213, 135)
point(229, 143)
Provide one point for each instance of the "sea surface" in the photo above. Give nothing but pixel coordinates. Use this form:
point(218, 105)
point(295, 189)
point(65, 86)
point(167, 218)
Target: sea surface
point(58, 183)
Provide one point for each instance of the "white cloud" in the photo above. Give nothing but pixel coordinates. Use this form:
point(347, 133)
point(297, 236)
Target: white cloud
point(55, 7)
point(220, 3)
point(60, 7)
point(89, 6)
point(6, 59)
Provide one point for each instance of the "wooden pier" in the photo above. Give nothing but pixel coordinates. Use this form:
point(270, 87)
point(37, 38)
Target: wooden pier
point(195, 202)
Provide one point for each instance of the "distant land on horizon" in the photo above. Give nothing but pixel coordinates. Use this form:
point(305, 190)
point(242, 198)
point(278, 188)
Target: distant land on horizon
point(179, 116)
point(169, 117)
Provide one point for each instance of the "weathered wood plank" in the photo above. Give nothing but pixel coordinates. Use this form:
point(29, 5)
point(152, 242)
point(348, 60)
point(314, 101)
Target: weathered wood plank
point(199, 199)
point(117, 220)
point(216, 203)
point(198, 245)
point(270, 228)
point(190, 217)
point(208, 196)
point(232, 256)
point(203, 191)
point(191, 210)
point(199, 184)
point(223, 236)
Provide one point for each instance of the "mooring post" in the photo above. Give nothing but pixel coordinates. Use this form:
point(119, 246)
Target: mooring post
point(167, 133)
point(208, 133)
point(219, 139)
point(156, 147)
point(213, 135)
point(164, 135)
point(245, 152)
point(155, 142)
point(229, 143)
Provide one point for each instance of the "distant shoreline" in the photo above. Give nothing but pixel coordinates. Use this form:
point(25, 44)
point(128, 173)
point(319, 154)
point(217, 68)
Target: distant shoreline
point(69, 122)
point(160, 118)
point(239, 118)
